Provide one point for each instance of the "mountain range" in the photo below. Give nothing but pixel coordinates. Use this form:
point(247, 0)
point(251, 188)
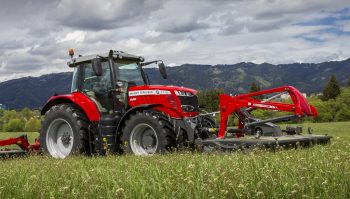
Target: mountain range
point(309, 78)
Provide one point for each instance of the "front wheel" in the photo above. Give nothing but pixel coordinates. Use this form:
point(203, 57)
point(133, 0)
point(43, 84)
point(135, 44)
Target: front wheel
point(148, 134)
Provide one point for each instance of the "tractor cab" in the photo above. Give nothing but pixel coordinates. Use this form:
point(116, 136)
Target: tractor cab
point(107, 78)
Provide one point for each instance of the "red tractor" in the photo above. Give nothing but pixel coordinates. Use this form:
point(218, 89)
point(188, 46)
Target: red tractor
point(113, 108)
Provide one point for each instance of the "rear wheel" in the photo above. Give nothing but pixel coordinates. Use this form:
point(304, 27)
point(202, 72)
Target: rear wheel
point(64, 131)
point(148, 133)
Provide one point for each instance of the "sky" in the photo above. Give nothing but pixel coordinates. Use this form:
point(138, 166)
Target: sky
point(36, 34)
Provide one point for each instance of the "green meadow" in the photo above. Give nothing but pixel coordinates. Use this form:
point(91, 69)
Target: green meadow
point(316, 172)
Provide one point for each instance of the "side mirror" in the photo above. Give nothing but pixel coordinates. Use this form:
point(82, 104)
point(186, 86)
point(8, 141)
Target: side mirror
point(162, 70)
point(97, 66)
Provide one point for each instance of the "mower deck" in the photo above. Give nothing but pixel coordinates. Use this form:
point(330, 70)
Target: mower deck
point(264, 141)
point(12, 152)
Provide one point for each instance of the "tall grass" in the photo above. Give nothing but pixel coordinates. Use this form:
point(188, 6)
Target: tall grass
point(317, 172)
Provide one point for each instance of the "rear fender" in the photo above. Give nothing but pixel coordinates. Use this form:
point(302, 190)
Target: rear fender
point(77, 98)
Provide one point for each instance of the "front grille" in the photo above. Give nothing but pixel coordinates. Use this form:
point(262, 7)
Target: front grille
point(189, 103)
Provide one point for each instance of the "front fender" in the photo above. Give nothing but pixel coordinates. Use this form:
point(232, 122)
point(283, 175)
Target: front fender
point(179, 121)
point(129, 112)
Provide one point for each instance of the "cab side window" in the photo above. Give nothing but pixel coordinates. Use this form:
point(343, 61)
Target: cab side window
point(97, 87)
point(94, 83)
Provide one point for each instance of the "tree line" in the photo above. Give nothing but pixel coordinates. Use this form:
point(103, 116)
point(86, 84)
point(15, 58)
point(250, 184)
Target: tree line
point(25, 120)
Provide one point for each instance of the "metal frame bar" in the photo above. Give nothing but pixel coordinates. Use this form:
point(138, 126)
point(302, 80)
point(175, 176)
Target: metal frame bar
point(230, 104)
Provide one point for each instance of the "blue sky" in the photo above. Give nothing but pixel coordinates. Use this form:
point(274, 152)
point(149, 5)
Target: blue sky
point(334, 22)
point(39, 33)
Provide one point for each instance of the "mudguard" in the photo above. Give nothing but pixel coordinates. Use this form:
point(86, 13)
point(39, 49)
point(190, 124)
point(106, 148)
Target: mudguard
point(132, 110)
point(181, 123)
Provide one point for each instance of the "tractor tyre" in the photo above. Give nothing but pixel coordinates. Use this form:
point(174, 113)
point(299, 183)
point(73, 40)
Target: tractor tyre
point(181, 139)
point(64, 131)
point(148, 133)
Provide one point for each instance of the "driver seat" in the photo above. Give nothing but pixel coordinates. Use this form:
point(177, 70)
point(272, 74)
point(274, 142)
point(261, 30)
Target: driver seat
point(92, 96)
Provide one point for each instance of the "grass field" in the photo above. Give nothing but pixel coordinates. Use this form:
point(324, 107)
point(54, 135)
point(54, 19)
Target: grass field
point(317, 172)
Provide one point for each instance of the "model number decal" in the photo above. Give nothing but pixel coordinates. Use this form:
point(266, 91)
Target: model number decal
point(149, 92)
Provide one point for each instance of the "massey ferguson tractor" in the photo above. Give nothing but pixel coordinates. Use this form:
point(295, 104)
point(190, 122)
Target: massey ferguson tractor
point(112, 108)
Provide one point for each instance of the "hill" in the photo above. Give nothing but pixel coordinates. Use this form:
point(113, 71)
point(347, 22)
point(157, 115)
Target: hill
point(32, 92)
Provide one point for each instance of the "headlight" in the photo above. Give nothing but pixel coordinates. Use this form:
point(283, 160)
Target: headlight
point(187, 108)
point(183, 93)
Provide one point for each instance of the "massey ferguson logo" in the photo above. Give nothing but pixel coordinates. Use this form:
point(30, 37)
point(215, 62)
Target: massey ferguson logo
point(149, 92)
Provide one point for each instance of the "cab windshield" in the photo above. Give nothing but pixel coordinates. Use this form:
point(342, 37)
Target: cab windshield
point(130, 72)
point(84, 78)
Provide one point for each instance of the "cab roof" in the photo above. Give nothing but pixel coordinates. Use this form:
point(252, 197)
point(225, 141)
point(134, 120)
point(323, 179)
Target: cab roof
point(116, 55)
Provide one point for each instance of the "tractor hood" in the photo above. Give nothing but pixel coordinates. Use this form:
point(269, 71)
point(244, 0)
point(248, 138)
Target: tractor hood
point(160, 89)
point(178, 102)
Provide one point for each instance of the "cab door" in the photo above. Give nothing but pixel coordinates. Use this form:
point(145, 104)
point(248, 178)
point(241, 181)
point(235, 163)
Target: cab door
point(98, 88)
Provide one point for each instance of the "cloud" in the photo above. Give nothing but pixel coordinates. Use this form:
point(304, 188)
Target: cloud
point(3, 64)
point(181, 16)
point(152, 50)
point(97, 15)
point(152, 33)
point(39, 33)
point(76, 36)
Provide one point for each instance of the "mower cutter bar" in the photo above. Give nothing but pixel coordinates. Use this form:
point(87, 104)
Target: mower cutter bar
point(264, 141)
point(12, 152)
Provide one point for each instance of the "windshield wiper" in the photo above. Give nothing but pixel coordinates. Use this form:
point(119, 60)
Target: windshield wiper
point(150, 62)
